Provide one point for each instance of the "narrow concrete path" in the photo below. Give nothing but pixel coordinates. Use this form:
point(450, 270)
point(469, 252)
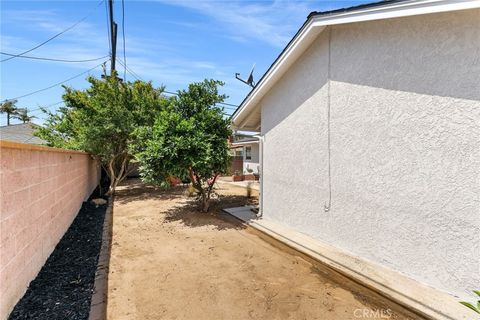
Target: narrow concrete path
point(170, 262)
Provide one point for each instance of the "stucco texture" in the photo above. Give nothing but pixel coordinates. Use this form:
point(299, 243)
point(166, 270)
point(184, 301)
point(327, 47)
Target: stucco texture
point(404, 145)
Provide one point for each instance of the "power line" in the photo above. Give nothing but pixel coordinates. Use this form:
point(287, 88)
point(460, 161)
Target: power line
point(46, 107)
point(136, 76)
point(229, 104)
point(57, 84)
point(223, 103)
point(52, 59)
point(123, 36)
point(33, 111)
point(55, 36)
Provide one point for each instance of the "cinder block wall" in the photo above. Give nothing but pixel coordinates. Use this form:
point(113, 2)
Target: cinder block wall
point(42, 190)
point(236, 165)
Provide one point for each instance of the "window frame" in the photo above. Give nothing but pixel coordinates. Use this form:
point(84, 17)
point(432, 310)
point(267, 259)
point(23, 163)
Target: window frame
point(248, 153)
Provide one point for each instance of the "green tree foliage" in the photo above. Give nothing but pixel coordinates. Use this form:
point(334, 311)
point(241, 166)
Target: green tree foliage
point(22, 115)
point(187, 140)
point(8, 107)
point(102, 120)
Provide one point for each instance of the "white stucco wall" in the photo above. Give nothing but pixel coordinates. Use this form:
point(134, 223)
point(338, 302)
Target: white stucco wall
point(405, 145)
point(253, 163)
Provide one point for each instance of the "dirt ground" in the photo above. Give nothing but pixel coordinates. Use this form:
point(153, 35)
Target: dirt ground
point(170, 262)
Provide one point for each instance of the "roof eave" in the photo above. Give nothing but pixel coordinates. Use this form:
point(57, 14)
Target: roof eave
point(240, 144)
point(315, 24)
point(275, 71)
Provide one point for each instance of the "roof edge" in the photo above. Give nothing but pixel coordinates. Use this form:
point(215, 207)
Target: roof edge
point(319, 20)
point(358, 7)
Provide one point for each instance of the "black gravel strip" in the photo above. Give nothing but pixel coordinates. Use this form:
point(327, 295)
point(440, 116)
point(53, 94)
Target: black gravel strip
point(64, 286)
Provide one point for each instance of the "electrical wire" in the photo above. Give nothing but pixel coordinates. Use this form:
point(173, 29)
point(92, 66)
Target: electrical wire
point(231, 105)
point(46, 107)
point(33, 111)
point(53, 59)
point(123, 36)
point(136, 76)
point(222, 103)
point(55, 36)
point(57, 84)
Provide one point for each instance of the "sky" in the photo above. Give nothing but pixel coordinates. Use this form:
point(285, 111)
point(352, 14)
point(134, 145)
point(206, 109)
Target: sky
point(170, 43)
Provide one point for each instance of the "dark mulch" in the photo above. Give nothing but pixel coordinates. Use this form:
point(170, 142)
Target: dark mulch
point(63, 288)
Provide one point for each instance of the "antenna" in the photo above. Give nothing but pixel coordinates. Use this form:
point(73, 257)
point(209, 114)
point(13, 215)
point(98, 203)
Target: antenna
point(249, 80)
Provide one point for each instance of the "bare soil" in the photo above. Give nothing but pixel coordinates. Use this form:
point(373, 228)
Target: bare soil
point(168, 261)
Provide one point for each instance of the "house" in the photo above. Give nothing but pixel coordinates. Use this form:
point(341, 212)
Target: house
point(370, 140)
point(22, 133)
point(246, 151)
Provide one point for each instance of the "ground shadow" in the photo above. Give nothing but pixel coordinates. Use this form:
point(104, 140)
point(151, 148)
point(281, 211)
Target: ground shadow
point(136, 190)
point(189, 214)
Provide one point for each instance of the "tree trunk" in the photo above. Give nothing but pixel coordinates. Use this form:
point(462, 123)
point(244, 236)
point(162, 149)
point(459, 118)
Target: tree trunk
point(111, 187)
point(111, 175)
point(208, 193)
point(204, 191)
point(205, 203)
point(116, 176)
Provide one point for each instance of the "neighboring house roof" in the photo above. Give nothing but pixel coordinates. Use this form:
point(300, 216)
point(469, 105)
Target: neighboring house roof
point(247, 116)
point(22, 133)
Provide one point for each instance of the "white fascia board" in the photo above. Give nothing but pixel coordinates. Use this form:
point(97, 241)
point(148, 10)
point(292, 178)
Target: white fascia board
point(317, 23)
point(396, 10)
point(240, 144)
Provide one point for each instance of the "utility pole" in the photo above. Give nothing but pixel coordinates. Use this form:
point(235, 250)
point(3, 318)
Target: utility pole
point(113, 33)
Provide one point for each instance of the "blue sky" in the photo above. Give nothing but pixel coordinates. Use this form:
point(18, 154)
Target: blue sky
point(169, 42)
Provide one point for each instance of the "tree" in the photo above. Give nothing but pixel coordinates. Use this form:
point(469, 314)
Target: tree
point(102, 119)
point(8, 107)
point(188, 139)
point(22, 115)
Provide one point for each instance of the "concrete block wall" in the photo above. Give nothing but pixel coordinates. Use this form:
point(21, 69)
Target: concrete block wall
point(41, 192)
point(236, 165)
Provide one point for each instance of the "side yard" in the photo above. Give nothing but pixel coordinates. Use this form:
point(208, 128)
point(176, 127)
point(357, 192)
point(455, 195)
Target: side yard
point(169, 261)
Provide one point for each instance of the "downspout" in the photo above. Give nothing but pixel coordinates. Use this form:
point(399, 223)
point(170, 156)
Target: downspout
point(328, 206)
point(260, 198)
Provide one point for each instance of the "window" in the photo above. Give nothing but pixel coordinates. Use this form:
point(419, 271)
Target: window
point(248, 153)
